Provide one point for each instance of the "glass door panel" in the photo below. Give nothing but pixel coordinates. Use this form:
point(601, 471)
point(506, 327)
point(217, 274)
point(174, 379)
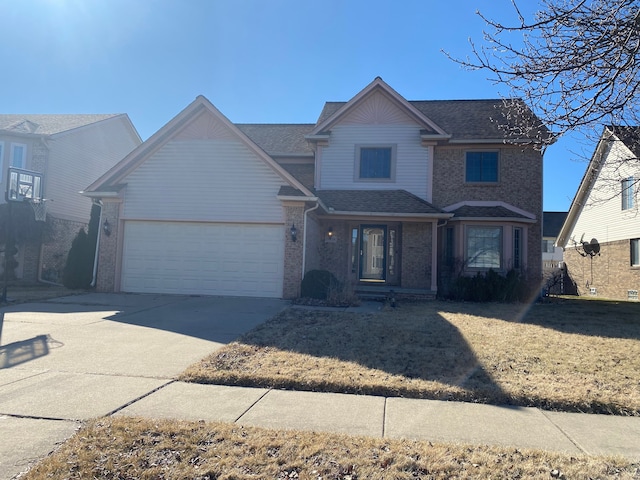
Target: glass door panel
point(373, 253)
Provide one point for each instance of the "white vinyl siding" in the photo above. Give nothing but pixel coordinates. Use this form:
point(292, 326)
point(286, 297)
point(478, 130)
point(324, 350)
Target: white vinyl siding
point(204, 180)
point(411, 159)
point(77, 158)
point(602, 217)
point(203, 258)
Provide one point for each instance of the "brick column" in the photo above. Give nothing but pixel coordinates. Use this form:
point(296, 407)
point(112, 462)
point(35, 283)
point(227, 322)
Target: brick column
point(108, 255)
point(294, 215)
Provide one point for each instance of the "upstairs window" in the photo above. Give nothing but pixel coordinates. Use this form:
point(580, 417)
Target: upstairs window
point(18, 155)
point(481, 167)
point(627, 193)
point(375, 163)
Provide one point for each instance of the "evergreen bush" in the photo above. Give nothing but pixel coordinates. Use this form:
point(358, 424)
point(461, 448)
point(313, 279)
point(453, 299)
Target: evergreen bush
point(317, 284)
point(78, 271)
point(492, 287)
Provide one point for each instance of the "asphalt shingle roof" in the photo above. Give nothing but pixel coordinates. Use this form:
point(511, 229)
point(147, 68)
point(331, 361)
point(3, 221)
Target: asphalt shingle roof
point(469, 119)
point(48, 124)
point(279, 139)
point(552, 223)
point(630, 136)
point(469, 211)
point(304, 173)
point(377, 201)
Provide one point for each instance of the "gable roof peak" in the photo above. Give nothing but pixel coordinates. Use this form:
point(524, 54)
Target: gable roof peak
point(376, 85)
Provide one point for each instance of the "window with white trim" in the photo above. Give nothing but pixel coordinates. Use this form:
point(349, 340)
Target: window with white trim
point(18, 155)
point(635, 252)
point(375, 163)
point(483, 247)
point(627, 193)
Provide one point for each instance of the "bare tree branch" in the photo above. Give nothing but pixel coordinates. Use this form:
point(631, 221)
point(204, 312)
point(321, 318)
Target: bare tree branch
point(576, 64)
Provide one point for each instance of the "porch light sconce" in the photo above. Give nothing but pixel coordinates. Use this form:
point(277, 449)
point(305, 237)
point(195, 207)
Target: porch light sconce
point(330, 238)
point(106, 227)
point(294, 232)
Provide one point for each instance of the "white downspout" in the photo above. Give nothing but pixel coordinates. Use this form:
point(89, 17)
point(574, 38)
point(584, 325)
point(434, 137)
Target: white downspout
point(304, 238)
point(94, 276)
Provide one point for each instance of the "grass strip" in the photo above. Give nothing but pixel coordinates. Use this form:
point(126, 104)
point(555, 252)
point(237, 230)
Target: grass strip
point(134, 448)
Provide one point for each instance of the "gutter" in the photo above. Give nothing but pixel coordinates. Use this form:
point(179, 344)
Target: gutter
point(94, 274)
point(426, 216)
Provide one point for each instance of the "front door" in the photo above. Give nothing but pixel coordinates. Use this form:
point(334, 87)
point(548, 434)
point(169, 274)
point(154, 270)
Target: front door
point(373, 259)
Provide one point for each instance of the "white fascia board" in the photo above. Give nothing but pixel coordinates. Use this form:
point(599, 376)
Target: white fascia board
point(292, 155)
point(434, 136)
point(11, 133)
point(493, 219)
point(503, 141)
point(431, 216)
point(296, 198)
point(108, 194)
point(317, 138)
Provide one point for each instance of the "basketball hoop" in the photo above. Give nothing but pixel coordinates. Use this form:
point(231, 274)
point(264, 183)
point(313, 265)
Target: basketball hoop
point(39, 206)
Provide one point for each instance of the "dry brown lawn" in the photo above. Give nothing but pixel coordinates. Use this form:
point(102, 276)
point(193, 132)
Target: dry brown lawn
point(569, 355)
point(126, 448)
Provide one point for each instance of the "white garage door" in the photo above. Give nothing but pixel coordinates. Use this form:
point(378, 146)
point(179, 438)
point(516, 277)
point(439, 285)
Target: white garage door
point(203, 258)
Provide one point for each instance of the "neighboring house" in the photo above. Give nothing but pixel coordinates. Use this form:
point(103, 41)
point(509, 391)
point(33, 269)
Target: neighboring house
point(601, 235)
point(383, 192)
point(552, 266)
point(70, 151)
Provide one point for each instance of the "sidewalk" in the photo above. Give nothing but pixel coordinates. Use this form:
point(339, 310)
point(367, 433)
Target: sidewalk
point(45, 396)
point(431, 420)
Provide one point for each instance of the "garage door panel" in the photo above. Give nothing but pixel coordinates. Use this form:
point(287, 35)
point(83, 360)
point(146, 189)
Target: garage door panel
point(208, 259)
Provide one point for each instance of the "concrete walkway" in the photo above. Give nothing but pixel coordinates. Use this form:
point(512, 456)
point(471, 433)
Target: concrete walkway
point(77, 358)
point(436, 421)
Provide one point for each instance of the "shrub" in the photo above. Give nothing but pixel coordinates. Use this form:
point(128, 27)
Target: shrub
point(78, 271)
point(317, 284)
point(492, 287)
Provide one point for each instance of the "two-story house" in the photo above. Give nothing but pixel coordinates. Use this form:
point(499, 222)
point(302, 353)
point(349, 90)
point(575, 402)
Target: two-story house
point(69, 151)
point(601, 234)
point(383, 192)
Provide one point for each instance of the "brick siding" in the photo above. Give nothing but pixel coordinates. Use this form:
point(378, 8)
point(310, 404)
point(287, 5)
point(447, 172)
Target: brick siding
point(416, 256)
point(610, 273)
point(106, 278)
point(293, 251)
point(520, 185)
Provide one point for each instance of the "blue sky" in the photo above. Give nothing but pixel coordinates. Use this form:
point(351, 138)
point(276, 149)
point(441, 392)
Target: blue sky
point(258, 61)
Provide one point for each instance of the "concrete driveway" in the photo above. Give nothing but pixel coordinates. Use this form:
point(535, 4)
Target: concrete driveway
point(84, 356)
